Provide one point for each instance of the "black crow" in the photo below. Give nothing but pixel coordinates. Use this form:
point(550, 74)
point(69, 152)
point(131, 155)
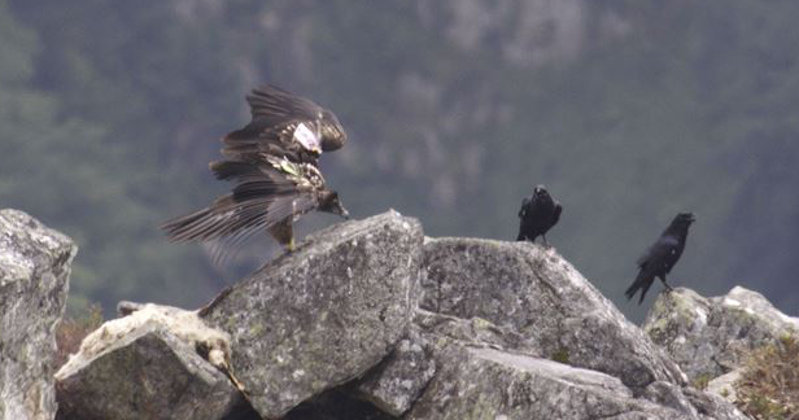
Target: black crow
point(538, 214)
point(273, 161)
point(661, 256)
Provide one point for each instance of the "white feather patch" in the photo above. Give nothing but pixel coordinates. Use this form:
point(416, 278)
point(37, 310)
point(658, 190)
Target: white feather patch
point(307, 137)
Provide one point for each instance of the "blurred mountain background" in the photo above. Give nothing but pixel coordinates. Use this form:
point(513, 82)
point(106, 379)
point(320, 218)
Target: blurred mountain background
point(629, 111)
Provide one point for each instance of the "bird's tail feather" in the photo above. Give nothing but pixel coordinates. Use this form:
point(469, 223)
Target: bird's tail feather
point(202, 225)
point(641, 282)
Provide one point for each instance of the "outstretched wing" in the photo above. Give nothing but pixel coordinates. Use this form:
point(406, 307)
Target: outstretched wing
point(275, 105)
point(284, 124)
point(264, 195)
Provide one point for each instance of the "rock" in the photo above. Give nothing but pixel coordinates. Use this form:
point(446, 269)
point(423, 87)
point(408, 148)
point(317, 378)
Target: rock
point(396, 384)
point(324, 314)
point(35, 265)
point(536, 293)
point(712, 406)
point(723, 385)
point(708, 337)
point(487, 371)
point(147, 365)
point(486, 383)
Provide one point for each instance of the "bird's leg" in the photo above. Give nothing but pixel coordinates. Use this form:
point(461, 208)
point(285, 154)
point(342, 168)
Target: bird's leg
point(546, 243)
point(284, 234)
point(668, 288)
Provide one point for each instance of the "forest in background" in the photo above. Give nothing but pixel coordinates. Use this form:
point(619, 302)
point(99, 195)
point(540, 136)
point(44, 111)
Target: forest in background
point(629, 111)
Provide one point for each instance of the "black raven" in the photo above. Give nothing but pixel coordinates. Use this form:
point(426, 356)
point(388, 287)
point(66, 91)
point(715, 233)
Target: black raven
point(273, 161)
point(661, 256)
point(538, 214)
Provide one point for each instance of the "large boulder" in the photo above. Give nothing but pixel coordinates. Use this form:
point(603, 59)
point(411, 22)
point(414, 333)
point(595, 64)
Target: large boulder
point(538, 294)
point(324, 314)
point(471, 368)
point(478, 383)
point(149, 364)
point(709, 337)
point(34, 278)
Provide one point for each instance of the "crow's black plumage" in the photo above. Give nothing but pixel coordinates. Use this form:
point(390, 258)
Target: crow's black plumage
point(661, 256)
point(538, 214)
point(273, 162)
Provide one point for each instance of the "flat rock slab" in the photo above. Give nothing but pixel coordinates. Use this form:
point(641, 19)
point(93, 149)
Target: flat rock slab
point(536, 293)
point(485, 383)
point(35, 265)
point(709, 337)
point(147, 365)
point(324, 314)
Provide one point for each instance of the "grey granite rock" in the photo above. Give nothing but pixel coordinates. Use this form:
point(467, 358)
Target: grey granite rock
point(324, 314)
point(34, 279)
point(148, 365)
point(535, 292)
point(724, 385)
point(483, 383)
point(396, 384)
point(708, 337)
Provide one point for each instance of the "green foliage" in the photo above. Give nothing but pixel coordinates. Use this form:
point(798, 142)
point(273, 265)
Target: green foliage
point(701, 381)
point(561, 356)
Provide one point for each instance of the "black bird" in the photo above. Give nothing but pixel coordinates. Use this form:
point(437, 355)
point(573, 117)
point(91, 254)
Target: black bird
point(273, 161)
point(661, 256)
point(538, 214)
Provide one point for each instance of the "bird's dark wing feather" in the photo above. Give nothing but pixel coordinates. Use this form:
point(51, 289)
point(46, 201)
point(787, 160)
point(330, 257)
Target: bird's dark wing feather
point(291, 138)
point(258, 218)
point(556, 214)
point(659, 252)
point(263, 196)
point(523, 209)
point(278, 105)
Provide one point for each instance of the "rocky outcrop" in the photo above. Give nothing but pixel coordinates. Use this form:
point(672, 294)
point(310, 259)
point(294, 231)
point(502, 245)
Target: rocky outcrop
point(489, 383)
point(149, 365)
point(371, 320)
point(538, 294)
point(709, 337)
point(34, 278)
point(324, 314)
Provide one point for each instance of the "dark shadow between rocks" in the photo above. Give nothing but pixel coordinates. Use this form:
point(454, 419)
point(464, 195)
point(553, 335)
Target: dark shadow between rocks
point(339, 403)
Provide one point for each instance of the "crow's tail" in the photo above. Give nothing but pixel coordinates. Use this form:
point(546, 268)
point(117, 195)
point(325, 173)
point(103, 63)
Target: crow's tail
point(642, 282)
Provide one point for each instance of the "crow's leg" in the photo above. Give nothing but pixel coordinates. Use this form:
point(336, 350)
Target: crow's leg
point(546, 243)
point(668, 288)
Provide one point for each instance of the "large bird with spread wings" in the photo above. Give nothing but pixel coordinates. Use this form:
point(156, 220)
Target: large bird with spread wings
point(273, 163)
